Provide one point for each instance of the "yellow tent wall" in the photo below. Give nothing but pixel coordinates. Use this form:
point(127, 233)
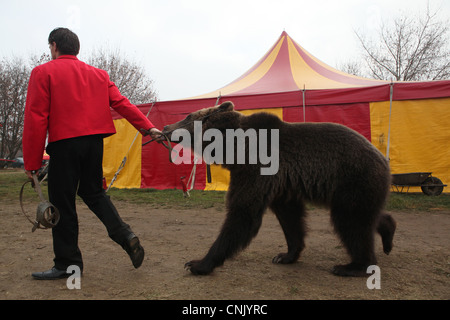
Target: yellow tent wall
point(419, 135)
point(118, 146)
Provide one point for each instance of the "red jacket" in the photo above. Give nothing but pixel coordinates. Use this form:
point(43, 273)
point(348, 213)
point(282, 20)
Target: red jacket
point(68, 98)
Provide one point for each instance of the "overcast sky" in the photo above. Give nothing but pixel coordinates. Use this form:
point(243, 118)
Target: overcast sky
point(191, 47)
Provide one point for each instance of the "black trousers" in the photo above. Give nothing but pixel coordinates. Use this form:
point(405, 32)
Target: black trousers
point(76, 168)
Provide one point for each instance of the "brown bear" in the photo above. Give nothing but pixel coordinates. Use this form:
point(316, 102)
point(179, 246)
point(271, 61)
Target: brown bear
point(322, 163)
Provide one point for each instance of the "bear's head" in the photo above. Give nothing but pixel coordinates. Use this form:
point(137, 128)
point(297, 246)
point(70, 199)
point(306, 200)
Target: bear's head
point(223, 136)
point(220, 117)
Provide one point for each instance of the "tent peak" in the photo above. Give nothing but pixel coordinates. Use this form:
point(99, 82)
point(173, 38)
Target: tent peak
point(289, 67)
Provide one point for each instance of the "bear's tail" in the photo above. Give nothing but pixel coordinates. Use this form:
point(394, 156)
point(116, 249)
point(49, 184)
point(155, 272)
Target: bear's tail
point(386, 228)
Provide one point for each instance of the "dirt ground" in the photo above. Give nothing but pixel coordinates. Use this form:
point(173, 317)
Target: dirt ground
point(417, 268)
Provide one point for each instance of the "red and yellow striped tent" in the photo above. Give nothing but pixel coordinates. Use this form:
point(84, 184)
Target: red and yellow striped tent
point(407, 121)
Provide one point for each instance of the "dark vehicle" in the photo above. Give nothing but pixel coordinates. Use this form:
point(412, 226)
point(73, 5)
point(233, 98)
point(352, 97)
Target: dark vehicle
point(5, 163)
point(18, 163)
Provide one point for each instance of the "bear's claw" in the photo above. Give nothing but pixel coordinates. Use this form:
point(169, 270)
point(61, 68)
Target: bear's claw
point(283, 258)
point(195, 267)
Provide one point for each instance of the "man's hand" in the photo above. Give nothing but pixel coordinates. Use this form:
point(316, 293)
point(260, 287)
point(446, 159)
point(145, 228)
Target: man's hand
point(154, 134)
point(29, 174)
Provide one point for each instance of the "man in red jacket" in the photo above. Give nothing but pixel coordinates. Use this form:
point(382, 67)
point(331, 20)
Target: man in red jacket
point(71, 101)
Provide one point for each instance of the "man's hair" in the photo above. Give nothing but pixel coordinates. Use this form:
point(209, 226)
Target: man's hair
point(66, 41)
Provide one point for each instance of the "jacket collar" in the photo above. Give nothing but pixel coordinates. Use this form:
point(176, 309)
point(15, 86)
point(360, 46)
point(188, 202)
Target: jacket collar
point(67, 56)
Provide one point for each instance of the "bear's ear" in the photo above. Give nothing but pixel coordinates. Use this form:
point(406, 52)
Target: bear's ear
point(226, 106)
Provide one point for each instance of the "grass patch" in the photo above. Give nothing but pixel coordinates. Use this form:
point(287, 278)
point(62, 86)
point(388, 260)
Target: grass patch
point(418, 202)
point(170, 198)
point(11, 181)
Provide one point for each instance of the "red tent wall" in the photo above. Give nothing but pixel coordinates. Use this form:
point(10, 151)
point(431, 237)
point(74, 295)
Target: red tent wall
point(349, 107)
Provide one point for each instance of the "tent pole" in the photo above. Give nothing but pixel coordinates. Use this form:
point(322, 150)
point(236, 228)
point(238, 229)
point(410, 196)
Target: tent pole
point(304, 107)
point(124, 160)
point(208, 166)
point(218, 98)
point(390, 115)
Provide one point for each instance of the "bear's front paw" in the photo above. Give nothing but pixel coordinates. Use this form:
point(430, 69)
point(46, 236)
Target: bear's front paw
point(284, 258)
point(196, 267)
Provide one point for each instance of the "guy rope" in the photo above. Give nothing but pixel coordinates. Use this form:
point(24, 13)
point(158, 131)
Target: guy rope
point(124, 160)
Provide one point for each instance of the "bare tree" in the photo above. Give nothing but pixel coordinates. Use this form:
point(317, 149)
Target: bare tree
point(14, 74)
point(38, 60)
point(411, 48)
point(353, 67)
point(131, 78)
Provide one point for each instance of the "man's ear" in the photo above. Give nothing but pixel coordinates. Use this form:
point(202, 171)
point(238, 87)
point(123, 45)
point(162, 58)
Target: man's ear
point(227, 106)
point(54, 51)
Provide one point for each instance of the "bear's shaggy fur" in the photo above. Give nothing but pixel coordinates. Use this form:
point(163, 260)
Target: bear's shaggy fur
point(322, 163)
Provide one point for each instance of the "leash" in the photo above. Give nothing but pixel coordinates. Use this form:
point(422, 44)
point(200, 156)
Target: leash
point(168, 146)
point(191, 180)
point(47, 215)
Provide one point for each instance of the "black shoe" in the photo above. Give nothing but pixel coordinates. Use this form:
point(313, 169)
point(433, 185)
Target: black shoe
point(51, 274)
point(134, 249)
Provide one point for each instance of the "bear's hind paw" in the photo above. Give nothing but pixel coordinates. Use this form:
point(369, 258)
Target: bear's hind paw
point(284, 258)
point(195, 268)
